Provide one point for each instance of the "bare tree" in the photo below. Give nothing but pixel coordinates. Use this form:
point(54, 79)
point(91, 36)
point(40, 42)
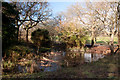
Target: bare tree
point(90, 16)
point(32, 13)
point(118, 26)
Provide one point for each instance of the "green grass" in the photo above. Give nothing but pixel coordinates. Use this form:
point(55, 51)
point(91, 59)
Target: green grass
point(103, 40)
point(106, 39)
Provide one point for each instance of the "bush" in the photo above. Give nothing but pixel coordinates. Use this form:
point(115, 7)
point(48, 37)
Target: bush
point(41, 38)
point(75, 38)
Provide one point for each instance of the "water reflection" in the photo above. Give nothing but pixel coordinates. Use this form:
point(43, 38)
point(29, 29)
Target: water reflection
point(77, 58)
point(89, 57)
point(53, 67)
point(60, 59)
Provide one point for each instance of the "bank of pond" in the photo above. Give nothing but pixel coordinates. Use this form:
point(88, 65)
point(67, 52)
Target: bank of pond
point(45, 64)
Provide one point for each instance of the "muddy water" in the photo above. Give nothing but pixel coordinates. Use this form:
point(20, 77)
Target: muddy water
point(68, 59)
point(57, 60)
point(78, 58)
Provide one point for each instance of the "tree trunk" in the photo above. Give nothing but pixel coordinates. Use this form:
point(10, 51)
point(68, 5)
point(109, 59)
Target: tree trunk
point(17, 29)
point(119, 33)
point(112, 41)
point(38, 49)
point(112, 37)
point(20, 35)
point(93, 37)
point(118, 25)
point(17, 33)
point(27, 35)
point(92, 40)
point(117, 49)
point(112, 48)
point(95, 40)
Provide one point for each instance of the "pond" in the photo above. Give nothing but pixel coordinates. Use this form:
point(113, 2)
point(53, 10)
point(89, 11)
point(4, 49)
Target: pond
point(89, 57)
point(60, 59)
point(78, 58)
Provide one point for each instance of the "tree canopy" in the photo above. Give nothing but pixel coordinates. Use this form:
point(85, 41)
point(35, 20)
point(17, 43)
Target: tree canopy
point(9, 15)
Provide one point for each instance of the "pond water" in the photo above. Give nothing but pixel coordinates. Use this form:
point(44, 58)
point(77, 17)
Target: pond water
point(78, 58)
point(58, 60)
point(89, 57)
point(71, 59)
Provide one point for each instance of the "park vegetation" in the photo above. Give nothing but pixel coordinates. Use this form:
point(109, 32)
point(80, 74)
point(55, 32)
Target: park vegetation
point(75, 29)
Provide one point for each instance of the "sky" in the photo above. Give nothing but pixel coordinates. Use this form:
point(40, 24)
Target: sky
point(57, 7)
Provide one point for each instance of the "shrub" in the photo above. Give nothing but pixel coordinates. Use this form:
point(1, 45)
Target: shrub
point(40, 38)
point(75, 38)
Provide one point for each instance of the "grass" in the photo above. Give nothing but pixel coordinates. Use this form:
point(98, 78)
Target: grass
point(103, 68)
point(103, 40)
